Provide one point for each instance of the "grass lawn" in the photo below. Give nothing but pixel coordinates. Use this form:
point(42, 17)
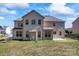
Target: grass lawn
point(67, 47)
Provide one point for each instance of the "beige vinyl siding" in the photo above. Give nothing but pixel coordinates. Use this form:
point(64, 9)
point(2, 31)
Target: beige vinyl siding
point(33, 25)
point(30, 17)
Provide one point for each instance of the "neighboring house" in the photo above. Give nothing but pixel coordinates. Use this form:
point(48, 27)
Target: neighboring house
point(2, 32)
point(35, 26)
point(76, 25)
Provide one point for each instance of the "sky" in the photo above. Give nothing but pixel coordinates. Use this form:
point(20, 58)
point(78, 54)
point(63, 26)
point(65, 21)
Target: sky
point(12, 11)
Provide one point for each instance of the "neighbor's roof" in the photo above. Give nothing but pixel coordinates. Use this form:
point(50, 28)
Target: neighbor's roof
point(52, 18)
point(1, 27)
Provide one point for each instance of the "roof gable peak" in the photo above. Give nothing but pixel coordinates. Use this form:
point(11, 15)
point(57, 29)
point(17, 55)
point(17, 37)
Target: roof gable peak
point(76, 20)
point(31, 12)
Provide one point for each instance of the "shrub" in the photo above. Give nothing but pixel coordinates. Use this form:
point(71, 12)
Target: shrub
point(73, 35)
point(68, 32)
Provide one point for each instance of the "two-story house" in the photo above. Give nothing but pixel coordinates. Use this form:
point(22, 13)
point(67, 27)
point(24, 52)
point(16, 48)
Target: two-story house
point(35, 26)
point(75, 27)
point(2, 32)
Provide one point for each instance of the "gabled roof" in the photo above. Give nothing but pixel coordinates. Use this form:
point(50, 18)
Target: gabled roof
point(3, 27)
point(52, 18)
point(46, 18)
point(20, 19)
point(31, 12)
point(76, 20)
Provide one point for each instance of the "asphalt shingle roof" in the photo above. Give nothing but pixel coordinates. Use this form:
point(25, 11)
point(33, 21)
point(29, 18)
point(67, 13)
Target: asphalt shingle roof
point(52, 18)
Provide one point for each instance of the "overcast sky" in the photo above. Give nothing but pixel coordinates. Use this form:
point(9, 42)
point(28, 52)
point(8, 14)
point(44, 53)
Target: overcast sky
point(12, 11)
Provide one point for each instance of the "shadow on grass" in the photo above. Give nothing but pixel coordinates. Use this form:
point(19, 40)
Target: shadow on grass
point(73, 38)
point(31, 39)
point(2, 40)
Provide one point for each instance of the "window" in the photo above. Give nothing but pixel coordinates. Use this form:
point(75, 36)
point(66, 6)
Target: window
point(39, 21)
point(33, 22)
point(54, 24)
point(54, 32)
point(20, 24)
point(47, 34)
point(60, 33)
point(19, 33)
point(39, 34)
point(27, 35)
point(27, 22)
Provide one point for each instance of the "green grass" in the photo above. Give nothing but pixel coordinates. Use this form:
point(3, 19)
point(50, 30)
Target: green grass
point(67, 47)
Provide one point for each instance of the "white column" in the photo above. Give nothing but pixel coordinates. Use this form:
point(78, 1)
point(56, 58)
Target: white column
point(52, 35)
point(30, 35)
point(36, 35)
point(41, 34)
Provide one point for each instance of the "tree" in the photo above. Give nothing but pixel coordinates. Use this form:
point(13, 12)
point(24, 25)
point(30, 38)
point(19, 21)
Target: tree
point(68, 32)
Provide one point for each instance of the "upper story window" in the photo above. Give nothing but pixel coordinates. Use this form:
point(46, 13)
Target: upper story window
point(39, 21)
point(27, 22)
point(53, 24)
point(33, 22)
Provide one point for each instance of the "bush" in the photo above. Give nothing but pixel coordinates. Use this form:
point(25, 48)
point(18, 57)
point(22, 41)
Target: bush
point(73, 35)
point(68, 32)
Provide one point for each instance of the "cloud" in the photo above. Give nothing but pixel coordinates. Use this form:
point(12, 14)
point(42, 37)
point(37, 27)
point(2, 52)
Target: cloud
point(8, 7)
point(61, 8)
point(10, 4)
point(1, 17)
point(22, 5)
point(68, 14)
point(68, 22)
point(5, 10)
